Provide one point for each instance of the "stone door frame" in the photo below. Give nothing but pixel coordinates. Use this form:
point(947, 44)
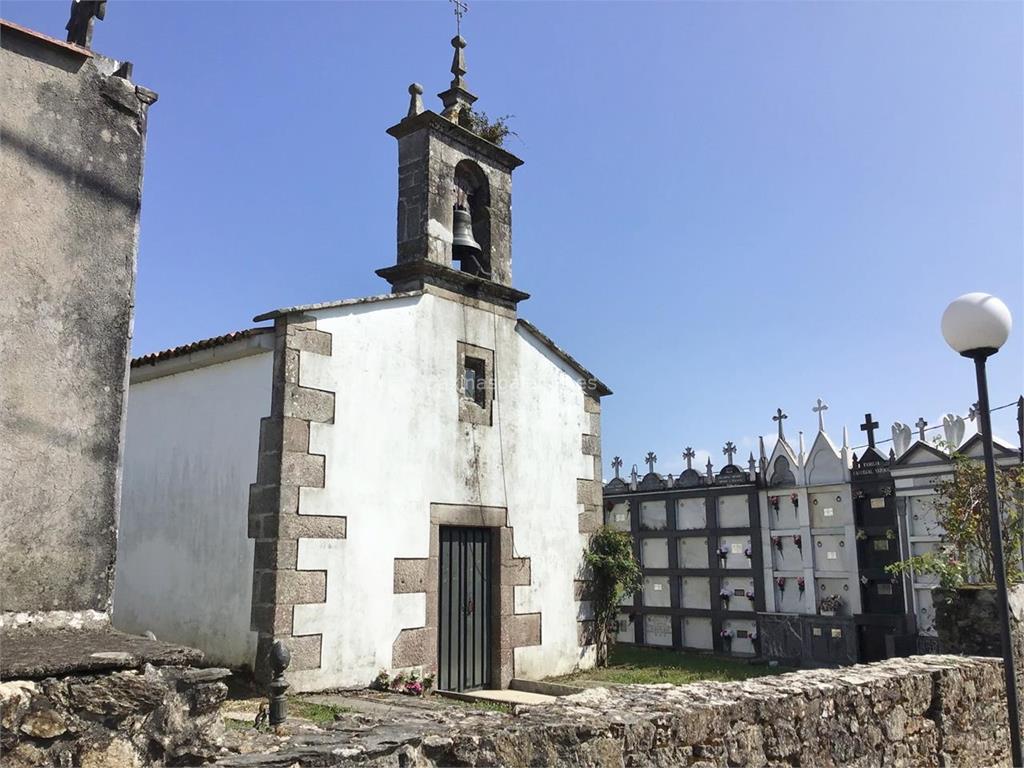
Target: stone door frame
point(418, 646)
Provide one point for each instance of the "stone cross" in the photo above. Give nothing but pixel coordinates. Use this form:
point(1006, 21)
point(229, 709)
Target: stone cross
point(689, 454)
point(820, 409)
point(650, 459)
point(617, 465)
point(869, 426)
point(920, 424)
point(729, 450)
point(779, 416)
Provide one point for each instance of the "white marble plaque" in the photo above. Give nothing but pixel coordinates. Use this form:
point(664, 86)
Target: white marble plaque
point(658, 630)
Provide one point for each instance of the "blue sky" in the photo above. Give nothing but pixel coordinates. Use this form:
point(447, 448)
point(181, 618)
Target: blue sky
point(725, 207)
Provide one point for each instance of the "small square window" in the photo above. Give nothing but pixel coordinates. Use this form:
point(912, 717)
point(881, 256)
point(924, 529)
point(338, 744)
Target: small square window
point(475, 383)
point(475, 380)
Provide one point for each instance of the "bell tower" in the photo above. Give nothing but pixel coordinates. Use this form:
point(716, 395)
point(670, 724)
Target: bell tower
point(454, 199)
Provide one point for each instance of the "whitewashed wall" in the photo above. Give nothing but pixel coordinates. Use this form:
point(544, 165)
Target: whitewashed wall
point(397, 444)
point(184, 562)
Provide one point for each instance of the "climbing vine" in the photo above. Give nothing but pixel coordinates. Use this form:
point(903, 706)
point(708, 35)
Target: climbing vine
point(614, 573)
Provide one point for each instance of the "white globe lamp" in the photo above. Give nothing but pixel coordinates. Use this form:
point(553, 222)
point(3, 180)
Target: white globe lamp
point(976, 323)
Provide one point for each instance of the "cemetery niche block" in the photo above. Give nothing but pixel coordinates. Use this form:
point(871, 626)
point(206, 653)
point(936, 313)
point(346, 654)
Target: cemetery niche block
point(625, 629)
point(658, 630)
point(733, 512)
point(696, 537)
point(653, 516)
point(693, 552)
point(698, 633)
point(617, 516)
point(654, 553)
point(691, 514)
point(695, 592)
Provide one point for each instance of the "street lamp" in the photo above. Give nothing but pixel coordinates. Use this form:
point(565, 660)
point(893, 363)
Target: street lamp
point(976, 325)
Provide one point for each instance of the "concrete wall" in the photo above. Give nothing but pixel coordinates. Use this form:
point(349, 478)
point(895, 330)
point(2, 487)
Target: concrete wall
point(396, 445)
point(184, 566)
point(71, 170)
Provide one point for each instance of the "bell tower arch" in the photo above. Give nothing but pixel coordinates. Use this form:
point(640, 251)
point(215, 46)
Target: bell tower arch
point(454, 199)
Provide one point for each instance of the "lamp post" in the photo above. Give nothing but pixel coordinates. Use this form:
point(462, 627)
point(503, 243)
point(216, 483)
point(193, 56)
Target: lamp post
point(976, 325)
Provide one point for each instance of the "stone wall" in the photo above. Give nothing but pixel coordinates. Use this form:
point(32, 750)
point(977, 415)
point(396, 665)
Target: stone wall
point(929, 710)
point(152, 716)
point(73, 129)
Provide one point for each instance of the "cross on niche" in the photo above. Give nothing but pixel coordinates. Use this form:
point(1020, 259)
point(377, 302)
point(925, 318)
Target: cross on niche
point(650, 459)
point(869, 426)
point(921, 424)
point(689, 455)
point(617, 465)
point(820, 409)
point(779, 416)
point(729, 450)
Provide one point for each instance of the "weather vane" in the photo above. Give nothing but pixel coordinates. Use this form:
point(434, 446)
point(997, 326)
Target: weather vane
point(460, 11)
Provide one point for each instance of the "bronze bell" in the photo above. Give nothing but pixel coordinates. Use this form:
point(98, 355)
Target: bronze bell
point(462, 230)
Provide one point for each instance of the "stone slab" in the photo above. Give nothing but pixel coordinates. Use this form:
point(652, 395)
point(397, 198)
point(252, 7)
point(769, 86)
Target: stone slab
point(32, 654)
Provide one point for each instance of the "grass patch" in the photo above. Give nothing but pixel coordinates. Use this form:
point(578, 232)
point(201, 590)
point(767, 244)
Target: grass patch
point(237, 725)
point(317, 713)
point(648, 665)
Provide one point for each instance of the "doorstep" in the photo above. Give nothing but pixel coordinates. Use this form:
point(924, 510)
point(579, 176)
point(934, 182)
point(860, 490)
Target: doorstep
point(505, 696)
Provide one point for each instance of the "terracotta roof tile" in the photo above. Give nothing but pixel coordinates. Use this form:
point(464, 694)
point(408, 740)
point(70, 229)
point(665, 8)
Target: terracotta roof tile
point(186, 349)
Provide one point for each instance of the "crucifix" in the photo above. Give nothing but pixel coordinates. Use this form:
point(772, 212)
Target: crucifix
point(650, 460)
point(869, 426)
point(460, 11)
point(729, 450)
point(920, 424)
point(689, 454)
point(779, 416)
point(80, 22)
point(617, 465)
point(820, 409)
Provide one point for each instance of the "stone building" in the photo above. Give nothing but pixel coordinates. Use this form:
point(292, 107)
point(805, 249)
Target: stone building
point(401, 481)
point(74, 129)
point(74, 690)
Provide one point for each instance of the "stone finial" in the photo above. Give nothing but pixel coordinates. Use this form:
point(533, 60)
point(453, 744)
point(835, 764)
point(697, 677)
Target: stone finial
point(710, 470)
point(752, 466)
point(415, 99)
point(458, 97)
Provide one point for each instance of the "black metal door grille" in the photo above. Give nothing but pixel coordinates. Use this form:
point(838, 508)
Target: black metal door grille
point(464, 609)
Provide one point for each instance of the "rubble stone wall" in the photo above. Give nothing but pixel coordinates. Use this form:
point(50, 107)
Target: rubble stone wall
point(156, 716)
point(922, 711)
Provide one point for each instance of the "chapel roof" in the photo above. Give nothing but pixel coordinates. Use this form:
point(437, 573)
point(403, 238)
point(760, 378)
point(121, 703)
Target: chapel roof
point(187, 349)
